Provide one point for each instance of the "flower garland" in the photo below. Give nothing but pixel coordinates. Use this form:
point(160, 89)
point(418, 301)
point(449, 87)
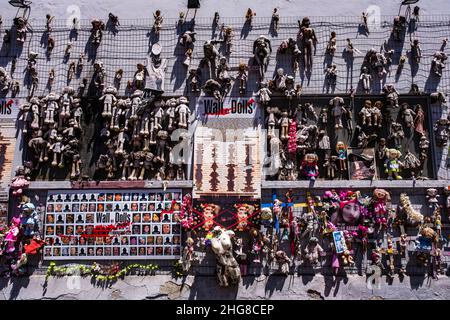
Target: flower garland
point(186, 212)
point(98, 272)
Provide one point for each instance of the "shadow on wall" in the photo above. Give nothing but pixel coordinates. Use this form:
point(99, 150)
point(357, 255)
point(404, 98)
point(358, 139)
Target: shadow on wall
point(207, 288)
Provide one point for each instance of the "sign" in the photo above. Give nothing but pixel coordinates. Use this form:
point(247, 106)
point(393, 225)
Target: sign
point(112, 224)
point(227, 148)
point(231, 107)
point(339, 241)
point(9, 108)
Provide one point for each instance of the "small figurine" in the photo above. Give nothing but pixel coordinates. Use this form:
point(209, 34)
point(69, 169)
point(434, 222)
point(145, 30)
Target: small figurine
point(392, 164)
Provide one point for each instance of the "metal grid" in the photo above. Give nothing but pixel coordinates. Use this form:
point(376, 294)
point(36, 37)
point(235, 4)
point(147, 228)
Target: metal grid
point(132, 42)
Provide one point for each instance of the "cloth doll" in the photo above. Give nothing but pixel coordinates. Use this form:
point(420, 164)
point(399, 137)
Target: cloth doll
point(12, 235)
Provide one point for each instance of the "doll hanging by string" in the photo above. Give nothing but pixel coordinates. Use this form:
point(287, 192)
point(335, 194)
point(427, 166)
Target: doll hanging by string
point(341, 150)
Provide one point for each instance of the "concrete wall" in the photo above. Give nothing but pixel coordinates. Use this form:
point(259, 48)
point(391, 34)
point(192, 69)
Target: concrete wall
point(200, 288)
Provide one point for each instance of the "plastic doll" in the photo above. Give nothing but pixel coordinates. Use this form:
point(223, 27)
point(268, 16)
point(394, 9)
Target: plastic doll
point(188, 255)
point(408, 115)
point(416, 51)
point(366, 113)
point(337, 111)
point(157, 24)
point(264, 93)
point(242, 77)
point(283, 262)
point(392, 164)
point(262, 50)
point(341, 150)
point(380, 198)
point(309, 41)
point(442, 132)
point(366, 79)
point(432, 198)
point(19, 182)
point(312, 252)
point(309, 166)
point(331, 46)
point(12, 235)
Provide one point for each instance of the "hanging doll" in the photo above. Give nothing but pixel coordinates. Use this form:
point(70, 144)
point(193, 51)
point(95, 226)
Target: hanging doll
point(109, 99)
point(380, 199)
point(341, 150)
point(432, 198)
point(309, 166)
point(20, 181)
point(188, 256)
point(337, 110)
point(264, 93)
point(283, 262)
point(12, 235)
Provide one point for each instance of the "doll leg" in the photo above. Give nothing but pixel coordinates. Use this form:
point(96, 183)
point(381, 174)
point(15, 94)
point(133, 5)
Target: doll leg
point(61, 161)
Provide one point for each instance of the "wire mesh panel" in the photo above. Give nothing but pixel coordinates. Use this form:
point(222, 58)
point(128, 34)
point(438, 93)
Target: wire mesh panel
point(124, 46)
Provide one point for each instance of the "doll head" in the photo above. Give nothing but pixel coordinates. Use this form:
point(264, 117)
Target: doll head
point(340, 146)
point(311, 158)
point(381, 194)
point(432, 192)
point(427, 232)
point(15, 221)
point(393, 154)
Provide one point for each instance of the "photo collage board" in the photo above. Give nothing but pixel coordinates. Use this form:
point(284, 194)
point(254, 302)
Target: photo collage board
point(112, 224)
